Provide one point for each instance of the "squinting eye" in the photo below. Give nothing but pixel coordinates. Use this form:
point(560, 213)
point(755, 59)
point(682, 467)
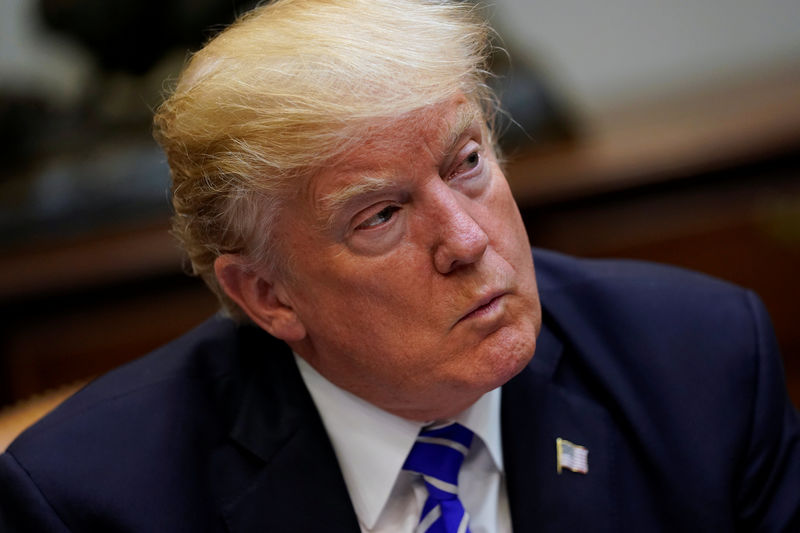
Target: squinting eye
point(468, 163)
point(381, 217)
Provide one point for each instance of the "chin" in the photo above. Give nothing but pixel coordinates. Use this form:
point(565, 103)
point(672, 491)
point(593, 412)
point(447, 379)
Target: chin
point(512, 351)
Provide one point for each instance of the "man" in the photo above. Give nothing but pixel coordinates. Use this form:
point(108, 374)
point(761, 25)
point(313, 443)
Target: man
point(335, 184)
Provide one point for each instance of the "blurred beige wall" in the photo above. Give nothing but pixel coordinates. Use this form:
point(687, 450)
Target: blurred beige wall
point(602, 54)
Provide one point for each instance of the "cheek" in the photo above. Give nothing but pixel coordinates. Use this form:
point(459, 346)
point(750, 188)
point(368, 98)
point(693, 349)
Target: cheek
point(503, 215)
point(365, 290)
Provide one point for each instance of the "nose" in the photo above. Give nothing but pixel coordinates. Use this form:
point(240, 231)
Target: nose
point(461, 241)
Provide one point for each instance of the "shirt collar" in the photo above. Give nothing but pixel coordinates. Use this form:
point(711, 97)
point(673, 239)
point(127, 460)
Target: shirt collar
point(483, 418)
point(372, 444)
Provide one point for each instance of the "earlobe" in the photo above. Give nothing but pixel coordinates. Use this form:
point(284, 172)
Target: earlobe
point(260, 297)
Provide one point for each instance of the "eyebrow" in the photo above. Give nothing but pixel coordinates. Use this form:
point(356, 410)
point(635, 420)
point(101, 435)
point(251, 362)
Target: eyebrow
point(332, 203)
point(336, 200)
point(466, 116)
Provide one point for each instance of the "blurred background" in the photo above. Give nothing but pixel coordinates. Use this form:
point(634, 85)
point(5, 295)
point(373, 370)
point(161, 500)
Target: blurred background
point(666, 131)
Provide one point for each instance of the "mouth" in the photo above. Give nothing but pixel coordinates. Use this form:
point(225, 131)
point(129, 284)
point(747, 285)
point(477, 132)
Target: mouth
point(485, 306)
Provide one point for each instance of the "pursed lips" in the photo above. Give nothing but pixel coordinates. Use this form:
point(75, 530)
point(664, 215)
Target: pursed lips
point(483, 304)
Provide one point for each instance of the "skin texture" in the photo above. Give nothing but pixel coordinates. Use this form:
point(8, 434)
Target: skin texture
point(412, 281)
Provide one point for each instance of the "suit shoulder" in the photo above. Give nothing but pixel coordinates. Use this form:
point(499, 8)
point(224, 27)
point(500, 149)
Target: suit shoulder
point(636, 323)
point(688, 369)
point(171, 360)
point(146, 435)
point(163, 380)
point(559, 272)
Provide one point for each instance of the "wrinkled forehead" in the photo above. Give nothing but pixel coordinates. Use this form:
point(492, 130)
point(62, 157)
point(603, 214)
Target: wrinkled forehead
point(388, 147)
point(438, 126)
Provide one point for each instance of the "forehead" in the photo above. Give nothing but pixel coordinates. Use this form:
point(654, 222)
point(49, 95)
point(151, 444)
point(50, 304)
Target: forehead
point(436, 127)
point(389, 151)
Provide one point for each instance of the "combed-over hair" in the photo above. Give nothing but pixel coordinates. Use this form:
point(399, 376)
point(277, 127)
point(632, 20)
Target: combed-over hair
point(283, 91)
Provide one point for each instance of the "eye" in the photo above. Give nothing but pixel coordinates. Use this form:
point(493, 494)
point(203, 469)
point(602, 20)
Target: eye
point(470, 160)
point(381, 217)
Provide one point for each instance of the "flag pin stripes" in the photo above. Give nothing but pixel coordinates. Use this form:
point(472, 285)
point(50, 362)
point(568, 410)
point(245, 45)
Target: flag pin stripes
point(571, 456)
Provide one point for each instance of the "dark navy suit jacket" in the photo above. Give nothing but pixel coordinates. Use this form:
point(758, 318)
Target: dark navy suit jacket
point(671, 380)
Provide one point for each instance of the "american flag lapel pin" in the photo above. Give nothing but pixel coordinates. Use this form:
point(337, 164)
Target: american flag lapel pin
point(571, 456)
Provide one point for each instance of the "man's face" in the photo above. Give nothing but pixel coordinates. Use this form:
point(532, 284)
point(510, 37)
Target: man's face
point(411, 271)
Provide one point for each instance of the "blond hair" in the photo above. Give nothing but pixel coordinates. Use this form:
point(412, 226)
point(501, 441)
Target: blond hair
point(287, 88)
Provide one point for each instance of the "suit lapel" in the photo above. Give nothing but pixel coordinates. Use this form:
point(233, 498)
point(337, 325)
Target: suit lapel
point(535, 412)
point(280, 472)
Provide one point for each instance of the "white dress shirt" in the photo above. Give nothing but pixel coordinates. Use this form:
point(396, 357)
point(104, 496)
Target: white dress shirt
point(372, 445)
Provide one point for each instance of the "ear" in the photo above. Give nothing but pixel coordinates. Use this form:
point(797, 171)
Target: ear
point(262, 298)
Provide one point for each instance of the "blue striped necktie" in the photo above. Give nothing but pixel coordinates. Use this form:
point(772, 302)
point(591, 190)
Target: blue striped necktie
point(437, 455)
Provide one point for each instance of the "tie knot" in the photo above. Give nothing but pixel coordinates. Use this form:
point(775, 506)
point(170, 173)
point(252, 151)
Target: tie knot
point(437, 455)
